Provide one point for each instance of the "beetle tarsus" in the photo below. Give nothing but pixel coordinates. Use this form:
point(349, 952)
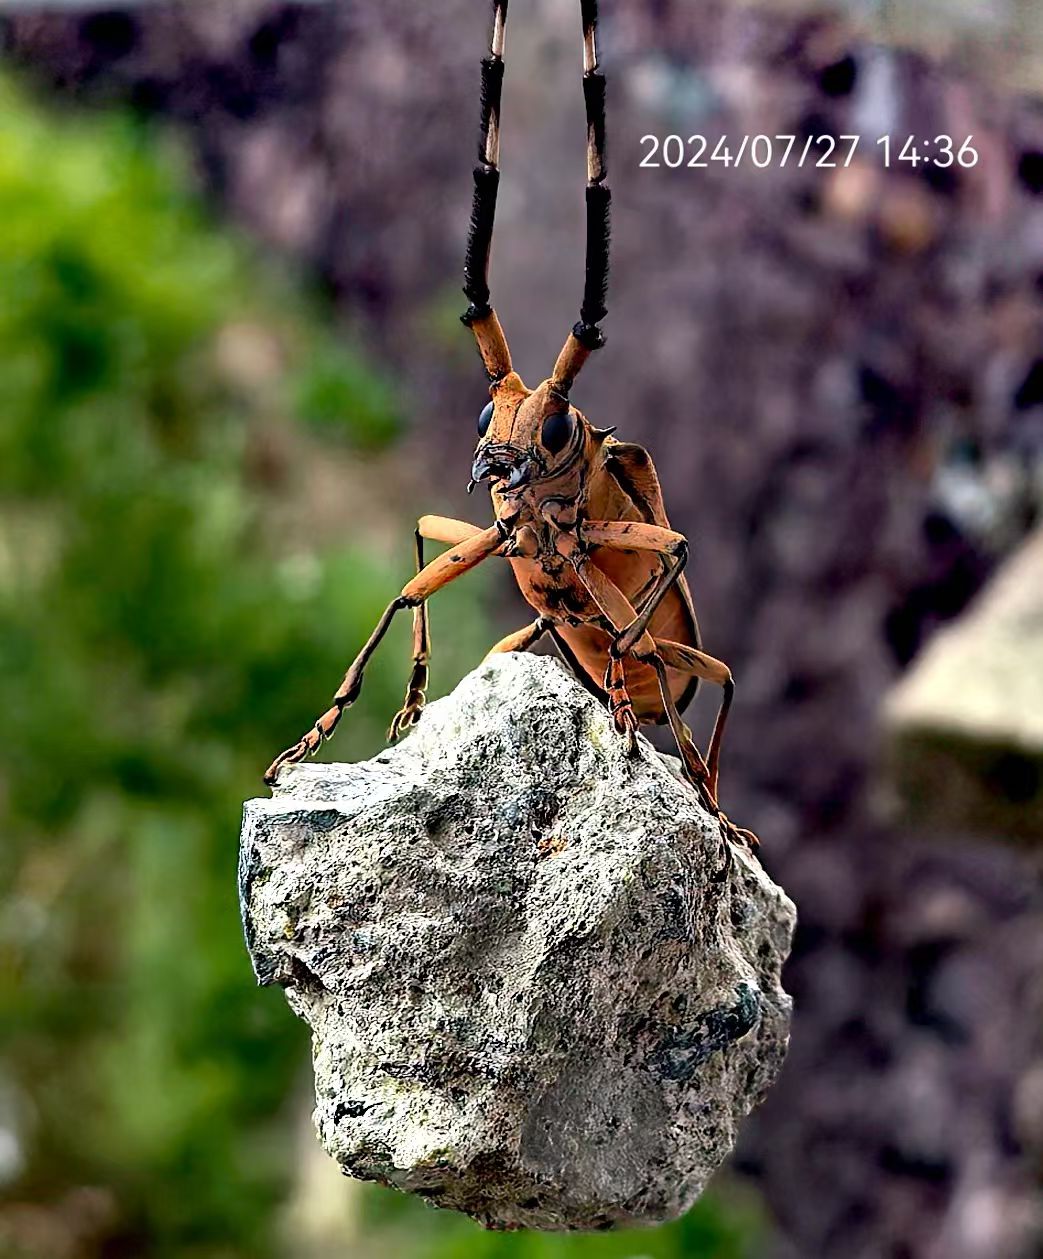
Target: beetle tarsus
point(626, 724)
point(738, 834)
point(404, 720)
point(619, 706)
point(306, 746)
point(413, 705)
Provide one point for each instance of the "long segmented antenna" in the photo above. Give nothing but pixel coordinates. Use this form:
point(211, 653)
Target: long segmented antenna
point(586, 335)
point(480, 316)
point(595, 286)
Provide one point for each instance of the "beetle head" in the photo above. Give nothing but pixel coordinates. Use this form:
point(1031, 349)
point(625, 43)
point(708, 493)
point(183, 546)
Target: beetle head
point(532, 442)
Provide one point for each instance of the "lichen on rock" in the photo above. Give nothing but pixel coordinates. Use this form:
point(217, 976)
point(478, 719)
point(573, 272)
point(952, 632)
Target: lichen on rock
point(543, 987)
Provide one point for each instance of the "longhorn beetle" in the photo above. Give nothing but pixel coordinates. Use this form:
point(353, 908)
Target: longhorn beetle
point(579, 515)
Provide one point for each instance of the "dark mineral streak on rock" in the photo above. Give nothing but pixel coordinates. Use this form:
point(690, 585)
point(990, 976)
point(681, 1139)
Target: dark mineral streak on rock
point(543, 989)
point(685, 1049)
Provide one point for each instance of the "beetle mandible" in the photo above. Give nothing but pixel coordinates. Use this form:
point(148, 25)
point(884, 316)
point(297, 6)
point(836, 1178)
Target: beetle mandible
point(579, 514)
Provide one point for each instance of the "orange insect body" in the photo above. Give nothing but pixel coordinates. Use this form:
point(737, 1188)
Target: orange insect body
point(579, 515)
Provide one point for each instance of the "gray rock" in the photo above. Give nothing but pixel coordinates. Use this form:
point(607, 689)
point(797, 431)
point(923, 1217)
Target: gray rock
point(543, 988)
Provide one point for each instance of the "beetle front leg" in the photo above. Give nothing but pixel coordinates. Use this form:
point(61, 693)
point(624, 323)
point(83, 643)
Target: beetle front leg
point(634, 535)
point(440, 572)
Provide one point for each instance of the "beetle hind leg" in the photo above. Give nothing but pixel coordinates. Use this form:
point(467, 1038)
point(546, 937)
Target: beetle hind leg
point(702, 775)
point(694, 767)
point(693, 661)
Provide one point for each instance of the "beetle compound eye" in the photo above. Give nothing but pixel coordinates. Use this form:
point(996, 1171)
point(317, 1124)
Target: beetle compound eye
point(485, 419)
point(557, 429)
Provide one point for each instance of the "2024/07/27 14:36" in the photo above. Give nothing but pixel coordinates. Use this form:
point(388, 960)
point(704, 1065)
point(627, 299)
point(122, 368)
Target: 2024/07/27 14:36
point(823, 151)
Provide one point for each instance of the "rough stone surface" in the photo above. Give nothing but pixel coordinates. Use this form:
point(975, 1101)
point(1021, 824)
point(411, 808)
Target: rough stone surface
point(543, 989)
point(965, 724)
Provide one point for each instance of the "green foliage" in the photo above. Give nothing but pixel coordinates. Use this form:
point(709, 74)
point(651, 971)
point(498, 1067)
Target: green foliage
point(720, 1226)
point(156, 649)
point(334, 385)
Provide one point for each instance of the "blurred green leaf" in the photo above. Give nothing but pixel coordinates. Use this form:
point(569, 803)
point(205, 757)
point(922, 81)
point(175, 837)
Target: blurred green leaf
point(338, 391)
point(723, 1224)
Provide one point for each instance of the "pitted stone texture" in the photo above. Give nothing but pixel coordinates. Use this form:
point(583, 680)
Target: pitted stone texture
point(543, 989)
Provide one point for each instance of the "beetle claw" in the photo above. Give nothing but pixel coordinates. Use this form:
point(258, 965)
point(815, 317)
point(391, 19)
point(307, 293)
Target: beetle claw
point(626, 724)
point(405, 719)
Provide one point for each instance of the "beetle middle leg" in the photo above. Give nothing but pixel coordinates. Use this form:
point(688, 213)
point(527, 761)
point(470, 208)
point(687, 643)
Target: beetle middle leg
point(434, 529)
point(523, 639)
